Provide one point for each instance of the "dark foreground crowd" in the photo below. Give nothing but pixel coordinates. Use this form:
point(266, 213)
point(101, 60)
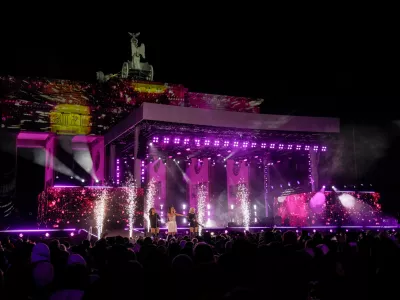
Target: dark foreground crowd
point(268, 265)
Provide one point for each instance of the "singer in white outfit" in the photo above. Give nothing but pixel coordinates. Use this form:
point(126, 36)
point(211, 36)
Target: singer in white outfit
point(171, 225)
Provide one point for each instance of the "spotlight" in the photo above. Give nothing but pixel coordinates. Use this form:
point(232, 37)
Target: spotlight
point(83, 180)
point(97, 181)
point(21, 235)
point(47, 234)
point(72, 234)
point(226, 231)
point(212, 233)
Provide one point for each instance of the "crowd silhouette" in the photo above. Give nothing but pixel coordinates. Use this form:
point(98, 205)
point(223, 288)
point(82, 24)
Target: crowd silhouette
point(266, 265)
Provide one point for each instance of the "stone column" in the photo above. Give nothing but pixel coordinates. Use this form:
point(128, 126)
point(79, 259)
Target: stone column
point(97, 154)
point(138, 162)
point(268, 199)
point(50, 148)
point(8, 174)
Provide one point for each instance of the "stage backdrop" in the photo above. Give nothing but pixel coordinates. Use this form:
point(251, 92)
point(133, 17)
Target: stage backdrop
point(198, 174)
point(331, 209)
point(73, 207)
point(237, 173)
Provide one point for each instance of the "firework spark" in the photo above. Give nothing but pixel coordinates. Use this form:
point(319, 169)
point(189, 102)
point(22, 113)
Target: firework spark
point(243, 197)
point(131, 203)
point(149, 202)
point(100, 211)
point(201, 204)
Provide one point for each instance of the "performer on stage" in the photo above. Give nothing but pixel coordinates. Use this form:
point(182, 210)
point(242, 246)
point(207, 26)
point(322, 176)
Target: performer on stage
point(154, 220)
point(171, 225)
point(193, 224)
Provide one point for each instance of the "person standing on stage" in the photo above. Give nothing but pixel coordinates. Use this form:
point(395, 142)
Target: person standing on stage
point(154, 221)
point(171, 225)
point(193, 225)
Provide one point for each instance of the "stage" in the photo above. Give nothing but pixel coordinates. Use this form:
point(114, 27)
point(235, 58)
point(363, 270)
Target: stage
point(81, 234)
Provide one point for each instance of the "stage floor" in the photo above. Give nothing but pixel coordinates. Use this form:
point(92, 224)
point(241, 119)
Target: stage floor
point(218, 230)
point(138, 232)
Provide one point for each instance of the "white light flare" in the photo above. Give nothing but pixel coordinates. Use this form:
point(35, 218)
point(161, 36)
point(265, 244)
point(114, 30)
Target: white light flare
point(243, 197)
point(201, 205)
point(347, 200)
point(149, 201)
point(100, 211)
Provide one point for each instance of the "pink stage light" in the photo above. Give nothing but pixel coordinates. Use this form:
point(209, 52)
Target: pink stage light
point(47, 234)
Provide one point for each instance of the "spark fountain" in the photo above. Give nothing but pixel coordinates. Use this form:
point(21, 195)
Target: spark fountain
point(131, 203)
point(99, 211)
point(149, 200)
point(201, 204)
point(243, 197)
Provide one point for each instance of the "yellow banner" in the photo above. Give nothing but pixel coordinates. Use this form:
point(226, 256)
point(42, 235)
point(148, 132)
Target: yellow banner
point(70, 119)
point(149, 88)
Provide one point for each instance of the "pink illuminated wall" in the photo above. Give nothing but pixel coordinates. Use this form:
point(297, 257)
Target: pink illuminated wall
point(97, 155)
point(158, 171)
point(50, 154)
point(236, 172)
point(198, 173)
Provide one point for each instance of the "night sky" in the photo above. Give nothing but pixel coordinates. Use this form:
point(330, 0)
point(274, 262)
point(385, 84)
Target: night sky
point(299, 65)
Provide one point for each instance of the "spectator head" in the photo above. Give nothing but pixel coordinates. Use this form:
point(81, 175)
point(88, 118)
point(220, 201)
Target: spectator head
point(40, 252)
point(203, 253)
point(289, 238)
